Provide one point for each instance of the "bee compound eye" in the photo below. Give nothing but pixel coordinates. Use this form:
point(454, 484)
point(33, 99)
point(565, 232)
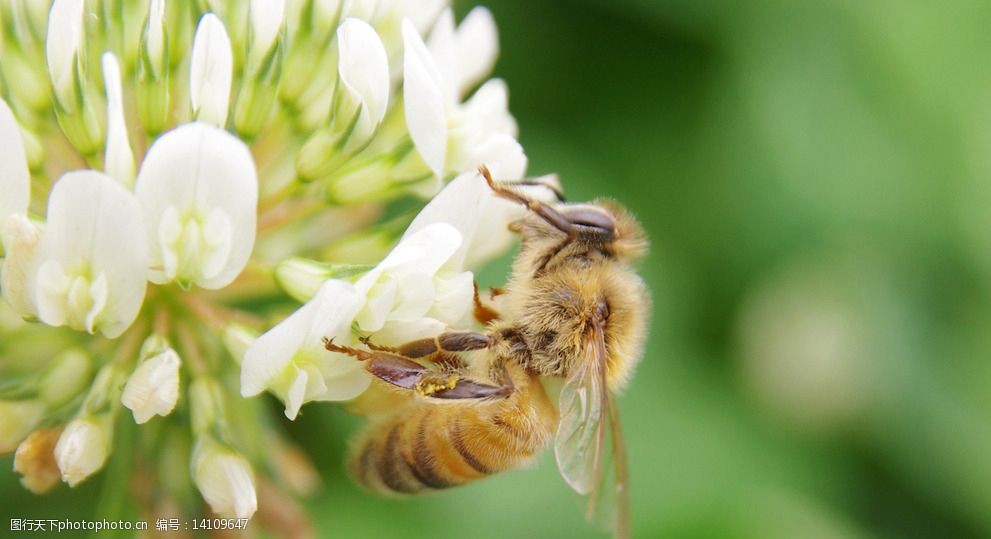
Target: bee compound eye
point(592, 218)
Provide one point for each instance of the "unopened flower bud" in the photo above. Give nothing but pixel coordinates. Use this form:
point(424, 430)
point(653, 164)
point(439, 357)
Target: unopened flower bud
point(302, 278)
point(83, 447)
point(17, 419)
point(224, 478)
point(206, 400)
point(67, 377)
point(35, 460)
point(263, 69)
point(64, 48)
point(153, 70)
point(153, 388)
point(210, 72)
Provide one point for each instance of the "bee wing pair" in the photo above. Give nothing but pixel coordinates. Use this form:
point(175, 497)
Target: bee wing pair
point(587, 418)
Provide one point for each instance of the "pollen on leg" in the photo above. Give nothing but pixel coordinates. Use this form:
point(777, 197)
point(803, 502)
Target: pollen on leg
point(429, 385)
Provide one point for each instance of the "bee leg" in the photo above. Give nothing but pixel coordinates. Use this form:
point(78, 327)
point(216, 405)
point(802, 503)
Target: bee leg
point(378, 347)
point(407, 374)
point(547, 213)
point(550, 186)
point(483, 313)
point(449, 341)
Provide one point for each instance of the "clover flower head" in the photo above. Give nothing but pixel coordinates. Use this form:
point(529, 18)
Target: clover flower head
point(168, 173)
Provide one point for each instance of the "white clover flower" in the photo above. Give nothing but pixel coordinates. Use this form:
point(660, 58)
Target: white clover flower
point(125, 180)
point(83, 447)
point(210, 72)
point(405, 285)
point(199, 191)
point(119, 156)
point(364, 79)
point(153, 388)
point(290, 361)
point(81, 276)
point(466, 54)
point(65, 46)
point(446, 131)
point(224, 478)
point(417, 290)
point(266, 18)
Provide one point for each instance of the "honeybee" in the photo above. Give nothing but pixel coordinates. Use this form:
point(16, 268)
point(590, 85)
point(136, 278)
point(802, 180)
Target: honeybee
point(573, 310)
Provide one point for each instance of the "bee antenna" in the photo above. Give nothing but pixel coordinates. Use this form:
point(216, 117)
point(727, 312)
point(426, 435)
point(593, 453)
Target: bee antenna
point(484, 171)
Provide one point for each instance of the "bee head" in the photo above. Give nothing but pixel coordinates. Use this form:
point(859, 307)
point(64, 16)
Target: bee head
point(608, 223)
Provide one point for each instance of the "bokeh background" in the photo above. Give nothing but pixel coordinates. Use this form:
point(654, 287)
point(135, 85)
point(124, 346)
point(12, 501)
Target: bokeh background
point(815, 179)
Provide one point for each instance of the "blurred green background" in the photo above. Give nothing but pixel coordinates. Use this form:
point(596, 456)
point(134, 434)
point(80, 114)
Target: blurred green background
point(814, 177)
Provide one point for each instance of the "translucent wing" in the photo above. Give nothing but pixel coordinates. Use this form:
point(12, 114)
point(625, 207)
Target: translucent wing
point(583, 456)
point(608, 505)
point(577, 444)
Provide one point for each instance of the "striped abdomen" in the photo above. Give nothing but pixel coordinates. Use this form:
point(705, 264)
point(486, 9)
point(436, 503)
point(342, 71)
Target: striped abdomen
point(427, 446)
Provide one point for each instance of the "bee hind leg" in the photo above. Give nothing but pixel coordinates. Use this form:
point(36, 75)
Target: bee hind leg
point(404, 373)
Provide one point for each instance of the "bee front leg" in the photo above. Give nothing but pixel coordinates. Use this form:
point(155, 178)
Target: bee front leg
point(545, 211)
point(404, 373)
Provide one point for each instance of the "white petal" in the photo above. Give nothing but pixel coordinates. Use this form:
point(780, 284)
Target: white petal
point(503, 156)
point(506, 161)
point(94, 228)
point(364, 69)
point(20, 239)
point(98, 291)
point(65, 34)
point(119, 160)
point(328, 314)
point(224, 478)
point(453, 299)
point(488, 108)
point(50, 286)
point(443, 48)
point(83, 447)
point(477, 48)
point(421, 13)
point(210, 71)
point(153, 388)
point(380, 301)
point(266, 18)
point(344, 379)
point(424, 251)
point(426, 98)
point(207, 177)
point(416, 295)
point(296, 395)
point(395, 332)
point(15, 181)
point(156, 30)
point(458, 204)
